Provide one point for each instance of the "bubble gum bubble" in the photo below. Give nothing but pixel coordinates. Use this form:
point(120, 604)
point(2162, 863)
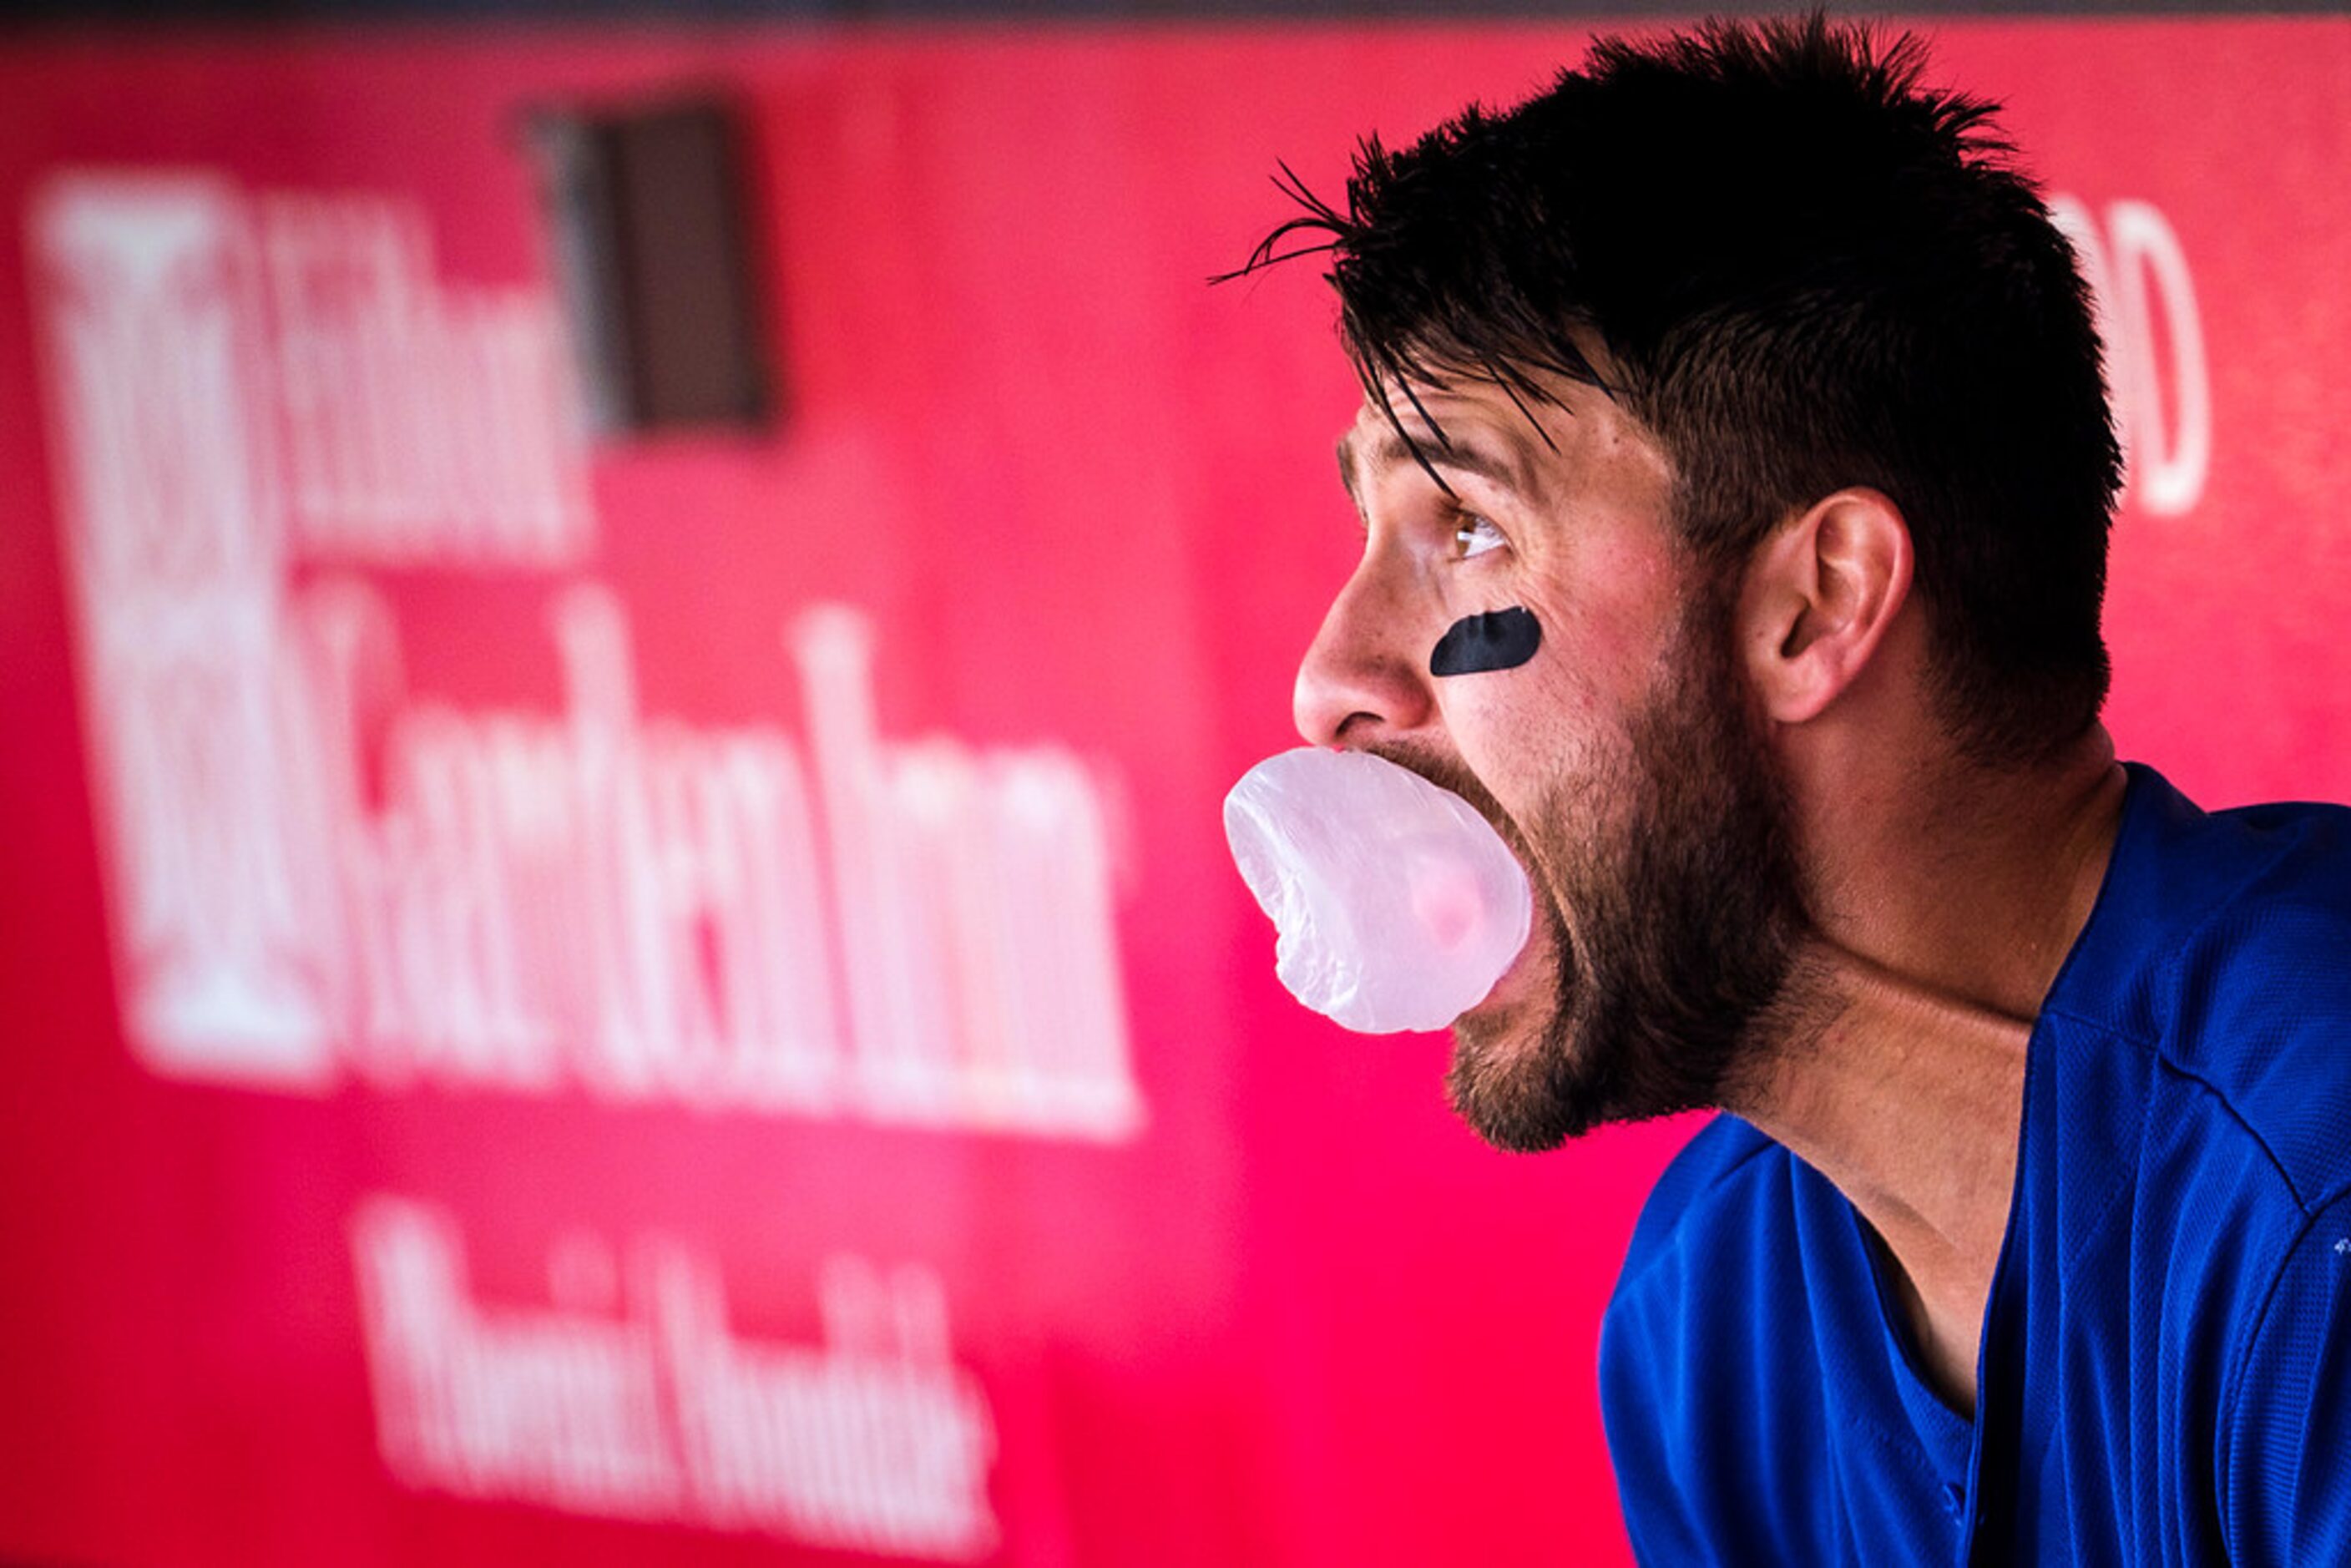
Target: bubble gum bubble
point(1397, 905)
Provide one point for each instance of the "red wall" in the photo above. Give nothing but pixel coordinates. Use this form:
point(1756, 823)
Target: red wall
point(425, 1141)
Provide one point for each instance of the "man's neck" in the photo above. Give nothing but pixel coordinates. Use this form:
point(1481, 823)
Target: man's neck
point(1904, 1082)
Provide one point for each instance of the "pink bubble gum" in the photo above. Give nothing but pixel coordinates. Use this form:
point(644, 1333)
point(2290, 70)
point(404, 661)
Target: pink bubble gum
point(1397, 905)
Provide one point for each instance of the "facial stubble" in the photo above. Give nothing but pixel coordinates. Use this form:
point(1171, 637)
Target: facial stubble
point(1668, 887)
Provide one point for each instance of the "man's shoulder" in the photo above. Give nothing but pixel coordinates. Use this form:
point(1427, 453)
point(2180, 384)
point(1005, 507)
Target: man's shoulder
point(1716, 1236)
point(1713, 1387)
point(2259, 888)
point(1716, 1181)
point(2259, 1016)
point(2229, 957)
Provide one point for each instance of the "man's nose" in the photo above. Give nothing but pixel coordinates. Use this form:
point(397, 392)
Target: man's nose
point(1361, 677)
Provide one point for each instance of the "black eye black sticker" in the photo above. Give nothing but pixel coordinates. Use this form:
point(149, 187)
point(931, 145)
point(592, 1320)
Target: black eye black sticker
point(1501, 640)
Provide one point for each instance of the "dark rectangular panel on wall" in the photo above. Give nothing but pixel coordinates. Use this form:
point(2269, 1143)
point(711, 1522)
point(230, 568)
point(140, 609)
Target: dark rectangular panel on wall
point(650, 209)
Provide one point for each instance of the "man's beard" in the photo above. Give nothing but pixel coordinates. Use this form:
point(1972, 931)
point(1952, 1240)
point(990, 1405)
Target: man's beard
point(1677, 864)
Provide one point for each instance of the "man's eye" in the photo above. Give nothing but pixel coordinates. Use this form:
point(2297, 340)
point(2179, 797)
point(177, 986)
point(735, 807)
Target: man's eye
point(1473, 535)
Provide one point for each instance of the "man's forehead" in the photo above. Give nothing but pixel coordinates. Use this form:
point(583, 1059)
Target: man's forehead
point(1495, 438)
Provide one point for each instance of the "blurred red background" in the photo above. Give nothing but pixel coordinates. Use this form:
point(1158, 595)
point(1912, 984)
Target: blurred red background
point(680, 997)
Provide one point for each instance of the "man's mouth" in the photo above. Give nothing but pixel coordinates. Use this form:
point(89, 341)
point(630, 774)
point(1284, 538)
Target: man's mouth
point(1534, 968)
point(1535, 965)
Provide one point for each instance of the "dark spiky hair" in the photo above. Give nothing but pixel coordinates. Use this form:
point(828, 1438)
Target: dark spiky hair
point(1802, 270)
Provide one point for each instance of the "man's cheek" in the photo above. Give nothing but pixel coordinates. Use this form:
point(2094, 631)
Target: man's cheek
point(1537, 746)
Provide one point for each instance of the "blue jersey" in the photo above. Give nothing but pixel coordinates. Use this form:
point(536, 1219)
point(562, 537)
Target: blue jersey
point(2165, 1372)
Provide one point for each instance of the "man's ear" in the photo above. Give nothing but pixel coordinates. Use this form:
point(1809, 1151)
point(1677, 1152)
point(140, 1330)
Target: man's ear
point(1819, 595)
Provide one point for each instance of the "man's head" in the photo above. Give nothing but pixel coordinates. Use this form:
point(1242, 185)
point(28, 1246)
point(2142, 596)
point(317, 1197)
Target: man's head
point(1804, 272)
point(1618, 345)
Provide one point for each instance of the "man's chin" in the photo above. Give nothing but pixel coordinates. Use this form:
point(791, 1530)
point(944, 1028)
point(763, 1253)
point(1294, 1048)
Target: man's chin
point(1510, 1078)
point(1512, 1104)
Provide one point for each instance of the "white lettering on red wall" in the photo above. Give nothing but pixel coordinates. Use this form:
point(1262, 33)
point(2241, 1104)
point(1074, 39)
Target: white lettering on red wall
point(2153, 334)
point(873, 1440)
point(597, 899)
point(422, 421)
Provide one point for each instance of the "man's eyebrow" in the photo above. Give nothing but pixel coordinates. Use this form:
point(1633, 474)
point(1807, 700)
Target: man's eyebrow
point(1462, 455)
